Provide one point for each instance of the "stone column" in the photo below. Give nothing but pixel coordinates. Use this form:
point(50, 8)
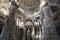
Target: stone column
point(48, 25)
point(9, 29)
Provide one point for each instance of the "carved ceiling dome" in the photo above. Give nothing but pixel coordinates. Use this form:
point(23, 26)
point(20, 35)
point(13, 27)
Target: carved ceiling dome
point(29, 3)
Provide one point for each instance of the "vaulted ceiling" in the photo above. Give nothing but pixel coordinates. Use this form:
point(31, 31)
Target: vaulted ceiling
point(29, 3)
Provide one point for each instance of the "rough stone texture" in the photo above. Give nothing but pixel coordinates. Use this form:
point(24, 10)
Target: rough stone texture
point(50, 32)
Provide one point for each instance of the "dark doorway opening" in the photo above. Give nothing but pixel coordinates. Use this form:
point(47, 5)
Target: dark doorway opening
point(1, 26)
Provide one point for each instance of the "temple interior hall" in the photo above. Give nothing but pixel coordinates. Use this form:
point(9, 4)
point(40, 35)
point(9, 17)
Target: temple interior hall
point(29, 19)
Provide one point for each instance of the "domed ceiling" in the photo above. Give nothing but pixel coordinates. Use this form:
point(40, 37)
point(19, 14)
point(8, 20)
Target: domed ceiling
point(29, 4)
